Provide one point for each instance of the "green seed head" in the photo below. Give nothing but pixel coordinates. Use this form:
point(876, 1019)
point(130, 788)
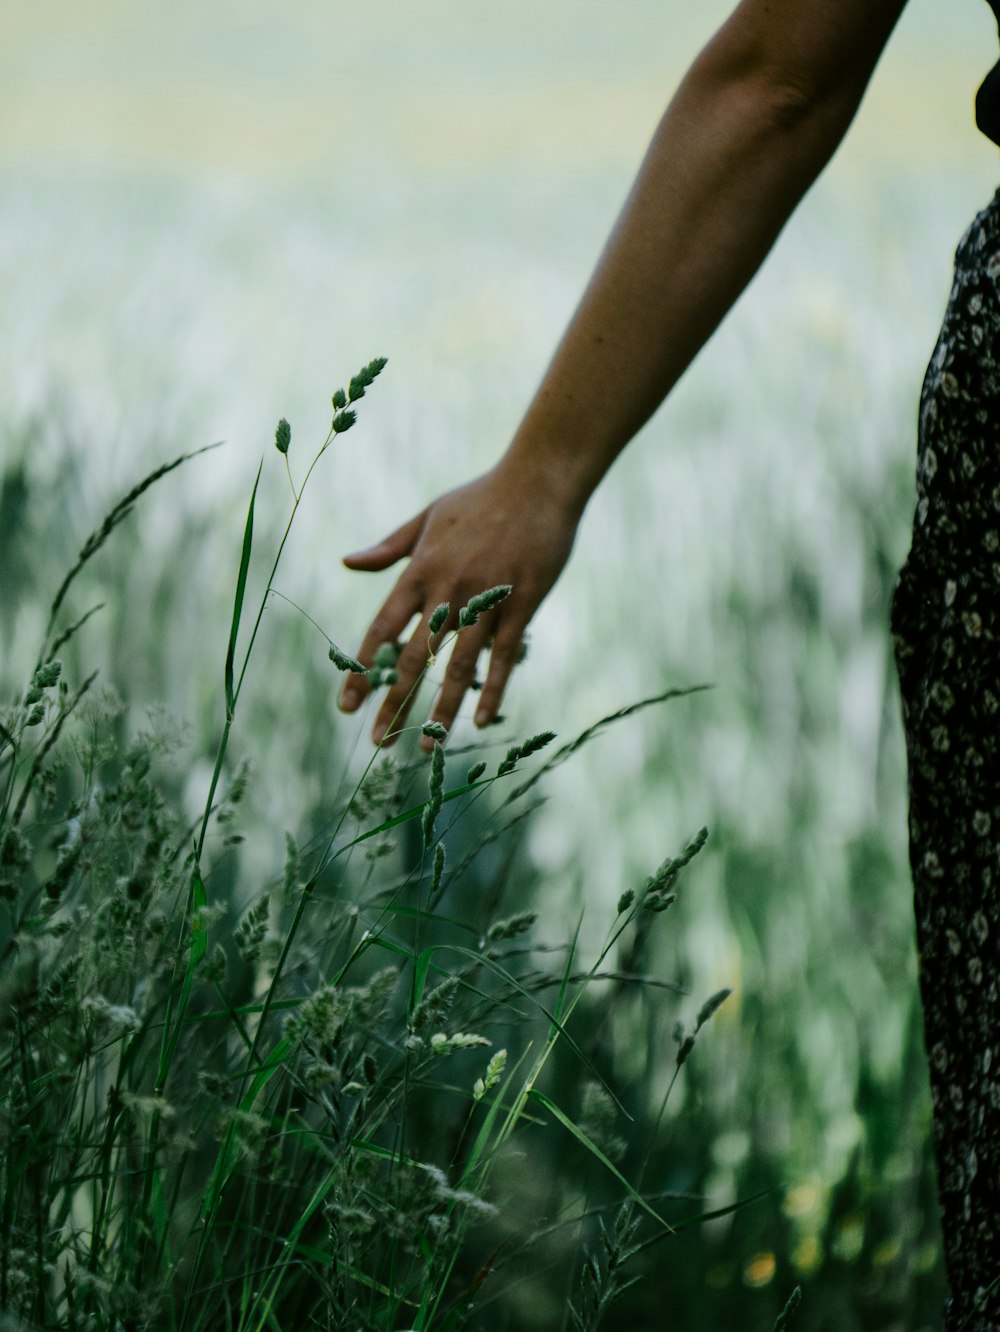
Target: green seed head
point(437, 873)
point(482, 602)
point(339, 400)
point(710, 1006)
point(343, 421)
point(386, 656)
point(343, 661)
point(282, 436)
point(686, 1046)
point(48, 675)
point(438, 617)
point(535, 743)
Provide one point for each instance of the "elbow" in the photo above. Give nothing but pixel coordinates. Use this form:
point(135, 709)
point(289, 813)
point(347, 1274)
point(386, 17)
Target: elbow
point(785, 84)
point(779, 98)
point(784, 104)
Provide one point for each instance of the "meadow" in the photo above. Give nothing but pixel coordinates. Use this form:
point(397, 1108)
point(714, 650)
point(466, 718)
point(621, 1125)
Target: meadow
point(192, 252)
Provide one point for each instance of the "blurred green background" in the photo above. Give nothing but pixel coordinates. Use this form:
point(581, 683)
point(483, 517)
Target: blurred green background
point(210, 216)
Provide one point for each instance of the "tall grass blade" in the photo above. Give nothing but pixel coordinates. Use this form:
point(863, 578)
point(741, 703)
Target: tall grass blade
point(561, 1117)
point(67, 634)
point(561, 755)
point(114, 517)
point(241, 587)
point(197, 950)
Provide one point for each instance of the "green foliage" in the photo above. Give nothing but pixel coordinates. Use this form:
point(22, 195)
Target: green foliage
point(302, 1104)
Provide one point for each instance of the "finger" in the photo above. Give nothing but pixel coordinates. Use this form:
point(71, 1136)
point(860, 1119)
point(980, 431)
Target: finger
point(503, 658)
point(387, 626)
point(399, 698)
point(389, 549)
point(460, 673)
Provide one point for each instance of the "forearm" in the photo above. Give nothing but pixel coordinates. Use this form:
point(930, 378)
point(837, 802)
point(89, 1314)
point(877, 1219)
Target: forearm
point(730, 159)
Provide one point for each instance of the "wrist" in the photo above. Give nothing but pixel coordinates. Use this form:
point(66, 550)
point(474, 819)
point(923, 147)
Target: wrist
point(542, 470)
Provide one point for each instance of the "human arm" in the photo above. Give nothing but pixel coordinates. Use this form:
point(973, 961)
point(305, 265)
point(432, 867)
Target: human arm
point(754, 121)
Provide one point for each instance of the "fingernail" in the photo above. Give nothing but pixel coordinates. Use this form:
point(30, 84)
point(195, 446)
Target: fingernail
point(482, 716)
point(349, 700)
point(378, 734)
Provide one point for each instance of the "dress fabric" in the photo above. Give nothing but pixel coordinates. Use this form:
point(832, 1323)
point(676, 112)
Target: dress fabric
point(946, 637)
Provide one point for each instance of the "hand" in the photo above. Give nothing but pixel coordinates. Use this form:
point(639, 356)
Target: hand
point(495, 529)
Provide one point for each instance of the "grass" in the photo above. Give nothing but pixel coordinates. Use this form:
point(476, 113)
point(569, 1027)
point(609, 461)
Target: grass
point(285, 1110)
point(771, 580)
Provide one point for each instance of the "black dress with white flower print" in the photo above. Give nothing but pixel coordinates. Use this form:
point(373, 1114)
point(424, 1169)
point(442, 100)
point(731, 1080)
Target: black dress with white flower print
point(946, 635)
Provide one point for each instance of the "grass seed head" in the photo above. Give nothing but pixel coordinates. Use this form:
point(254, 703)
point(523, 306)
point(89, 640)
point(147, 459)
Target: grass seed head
point(435, 794)
point(48, 674)
point(144, 1108)
point(343, 661)
point(249, 1131)
point(282, 436)
point(494, 1072)
point(437, 872)
point(483, 602)
point(216, 965)
point(386, 656)
point(442, 1044)
point(214, 1085)
point(509, 763)
point(252, 930)
point(711, 1006)
point(537, 742)
point(510, 928)
point(365, 377)
point(435, 1005)
point(107, 1018)
point(318, 1075)
point(439, 616)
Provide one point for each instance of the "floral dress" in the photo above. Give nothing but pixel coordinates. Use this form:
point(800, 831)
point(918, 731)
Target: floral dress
point(946, 636)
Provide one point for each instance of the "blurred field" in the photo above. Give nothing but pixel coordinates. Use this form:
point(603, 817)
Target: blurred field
point(211, 216)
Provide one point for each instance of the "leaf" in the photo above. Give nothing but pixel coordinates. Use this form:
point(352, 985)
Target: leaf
point(199, 946)
point(241, 587)
point(595, 1151)
point(421, 965)
point(415, 812)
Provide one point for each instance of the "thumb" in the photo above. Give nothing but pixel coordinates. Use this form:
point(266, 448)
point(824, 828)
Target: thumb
point(389, 549)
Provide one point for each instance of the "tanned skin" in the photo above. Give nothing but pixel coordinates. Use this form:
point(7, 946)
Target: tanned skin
point(753, 123)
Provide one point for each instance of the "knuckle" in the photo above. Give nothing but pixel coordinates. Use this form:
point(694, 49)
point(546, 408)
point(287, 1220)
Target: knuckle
point(504, 653)
point(463, 664)
point(380, 631)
